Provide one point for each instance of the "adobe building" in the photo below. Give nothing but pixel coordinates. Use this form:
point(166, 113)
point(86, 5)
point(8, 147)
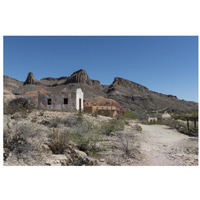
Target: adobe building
point(152, 119)
point(103, 110)
point(166, 115)
point(69, 101)
point(103, 106)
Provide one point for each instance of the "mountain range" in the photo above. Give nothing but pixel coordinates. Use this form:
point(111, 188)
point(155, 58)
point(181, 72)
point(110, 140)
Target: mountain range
point(129, 94)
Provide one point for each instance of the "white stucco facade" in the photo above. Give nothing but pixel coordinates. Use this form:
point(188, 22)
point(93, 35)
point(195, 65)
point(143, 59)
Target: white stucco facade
point(152, 119)
point(79, 99)
point(166, 115)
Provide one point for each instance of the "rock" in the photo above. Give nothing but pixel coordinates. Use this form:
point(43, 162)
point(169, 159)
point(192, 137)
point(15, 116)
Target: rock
point(58, 160)
point(31, 80)
point(8, 96)
point(45, 148)
point(81, 153)
point(47, 163)
point(79, 76)
point(182, 129)
point(102, 160)
point(45, 123)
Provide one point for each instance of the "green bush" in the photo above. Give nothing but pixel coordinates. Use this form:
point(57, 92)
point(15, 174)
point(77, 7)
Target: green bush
point(22, 111)
point(87, 138)
point(113, 125)
point(130, 115)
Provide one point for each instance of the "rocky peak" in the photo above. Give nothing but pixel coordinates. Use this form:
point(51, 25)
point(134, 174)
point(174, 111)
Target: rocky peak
point(31, 80)
point(79, 76)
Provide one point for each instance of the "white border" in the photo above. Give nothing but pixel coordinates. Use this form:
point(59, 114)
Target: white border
point(89, 17)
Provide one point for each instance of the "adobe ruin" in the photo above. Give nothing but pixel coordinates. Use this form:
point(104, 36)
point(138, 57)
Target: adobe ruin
point(69, 101)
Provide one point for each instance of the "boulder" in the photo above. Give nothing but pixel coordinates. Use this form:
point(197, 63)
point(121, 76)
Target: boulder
point(58, 160)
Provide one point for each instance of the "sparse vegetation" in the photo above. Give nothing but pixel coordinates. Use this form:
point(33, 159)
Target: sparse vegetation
point(59, 141)
point(130, 115)
point(137, 127)
point(87, 138)
point(16, 141)
point(41, 113)
point(78, 138)
point(107, 128)
point(183, 115)
point(181, 126)
point(124, 141)
point(55, 122)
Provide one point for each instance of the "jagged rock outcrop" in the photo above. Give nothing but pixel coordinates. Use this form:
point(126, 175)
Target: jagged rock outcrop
point(79, 76)
point(31, 80)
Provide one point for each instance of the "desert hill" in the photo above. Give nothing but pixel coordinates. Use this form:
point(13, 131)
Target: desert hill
point(128, 94)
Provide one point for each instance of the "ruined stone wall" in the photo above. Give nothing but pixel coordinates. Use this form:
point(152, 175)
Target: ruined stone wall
point(57, 101)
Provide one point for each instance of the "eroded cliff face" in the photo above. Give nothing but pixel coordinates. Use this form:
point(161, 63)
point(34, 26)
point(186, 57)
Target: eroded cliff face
point(129, 94)
point(128, 84)
point(135, 96)
point(79, 77)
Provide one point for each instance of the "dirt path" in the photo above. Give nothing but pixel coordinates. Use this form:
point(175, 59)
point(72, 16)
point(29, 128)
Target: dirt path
point(163, 146)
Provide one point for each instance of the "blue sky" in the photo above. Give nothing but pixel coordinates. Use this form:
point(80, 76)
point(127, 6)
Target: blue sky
point(165, 64)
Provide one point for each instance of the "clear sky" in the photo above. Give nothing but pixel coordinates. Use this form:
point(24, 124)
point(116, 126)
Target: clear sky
point(167, 65)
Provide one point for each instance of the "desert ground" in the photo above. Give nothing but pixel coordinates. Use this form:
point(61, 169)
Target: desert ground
point(51, 138)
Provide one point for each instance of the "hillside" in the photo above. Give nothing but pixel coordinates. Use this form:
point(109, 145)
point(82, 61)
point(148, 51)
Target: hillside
point(129, 94)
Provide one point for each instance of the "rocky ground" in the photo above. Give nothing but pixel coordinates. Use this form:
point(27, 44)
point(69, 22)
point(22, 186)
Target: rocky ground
point(136, 145)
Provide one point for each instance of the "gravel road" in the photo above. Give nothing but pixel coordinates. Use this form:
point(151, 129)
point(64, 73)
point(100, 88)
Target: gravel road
point(163, 146)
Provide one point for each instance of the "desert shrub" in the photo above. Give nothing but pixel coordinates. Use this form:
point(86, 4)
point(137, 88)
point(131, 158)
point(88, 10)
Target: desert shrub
point(113, 125)
point(124, 143)
point(130, 115)
point(59, 141)
point(21, 105)
point(80, 116)
point(55, 122)
point(41, 113)
point(73, 121)
point(127, 123)
point(17, 141)
point(87, 138)
point(137, 127)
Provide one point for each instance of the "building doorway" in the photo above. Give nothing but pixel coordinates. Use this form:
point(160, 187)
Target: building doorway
point(80, 104)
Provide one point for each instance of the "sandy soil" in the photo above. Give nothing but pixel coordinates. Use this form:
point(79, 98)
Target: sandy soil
point(161, 145)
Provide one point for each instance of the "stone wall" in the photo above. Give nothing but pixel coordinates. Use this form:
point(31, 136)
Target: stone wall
point(57, 101)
